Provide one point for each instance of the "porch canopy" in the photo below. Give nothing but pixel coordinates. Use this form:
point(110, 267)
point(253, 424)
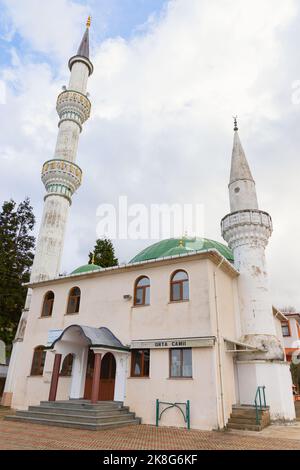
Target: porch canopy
point(94, 337)
point(81, 341)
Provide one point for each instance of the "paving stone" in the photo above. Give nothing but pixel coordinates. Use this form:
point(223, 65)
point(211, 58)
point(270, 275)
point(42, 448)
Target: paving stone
point(17, 436)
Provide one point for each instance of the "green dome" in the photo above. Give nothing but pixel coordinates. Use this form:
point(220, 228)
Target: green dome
point(181, 246)
point(87, 268)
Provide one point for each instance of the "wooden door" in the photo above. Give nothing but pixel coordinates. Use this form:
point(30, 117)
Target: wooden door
point(89, 376)
point(107, 378)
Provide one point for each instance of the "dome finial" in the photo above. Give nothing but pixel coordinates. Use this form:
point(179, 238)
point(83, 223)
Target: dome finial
point(235, 119)
point(93, 258)
point(89, 22)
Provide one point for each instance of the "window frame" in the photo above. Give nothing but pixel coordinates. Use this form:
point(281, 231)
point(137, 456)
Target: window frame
point(68, 372)
point(284, 324)
point(38, 371)
point(46, 302)
point(78, 301)
point(142, 375)
point(181, 364)
point(180, 283)
point(144, 290)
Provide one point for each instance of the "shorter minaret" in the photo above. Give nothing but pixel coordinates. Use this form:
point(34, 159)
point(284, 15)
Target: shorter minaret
point(247, 231)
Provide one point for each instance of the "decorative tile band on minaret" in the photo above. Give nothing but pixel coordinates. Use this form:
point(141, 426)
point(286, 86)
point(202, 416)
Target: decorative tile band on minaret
point(60, 175)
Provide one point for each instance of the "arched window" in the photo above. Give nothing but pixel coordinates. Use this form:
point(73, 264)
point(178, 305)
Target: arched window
point(67, 366)
point(48, 304)
point(179, 286)
point(142, 291)
point(74, 301)
point(38, 361)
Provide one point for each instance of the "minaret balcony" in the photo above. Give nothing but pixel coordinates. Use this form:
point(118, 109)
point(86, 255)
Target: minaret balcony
point(247, 227)
point(61, 177)
point(73, 106)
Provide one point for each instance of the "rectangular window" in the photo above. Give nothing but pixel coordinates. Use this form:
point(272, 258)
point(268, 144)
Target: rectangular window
point(139, 296)
point(181, 363)
point(176, 292)
point(285, 329)
point(140, 363)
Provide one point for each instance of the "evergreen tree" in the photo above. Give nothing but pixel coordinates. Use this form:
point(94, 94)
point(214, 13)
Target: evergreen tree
point(16, 257)
point(104, 254)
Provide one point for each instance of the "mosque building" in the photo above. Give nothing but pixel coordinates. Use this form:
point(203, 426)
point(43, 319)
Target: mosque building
point(187, 325)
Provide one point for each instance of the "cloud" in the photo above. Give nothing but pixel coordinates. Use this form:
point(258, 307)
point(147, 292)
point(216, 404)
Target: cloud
point(53, 29)
point(161, 129)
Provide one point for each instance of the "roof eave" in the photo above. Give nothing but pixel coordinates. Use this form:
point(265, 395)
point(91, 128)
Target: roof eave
point(211, 254)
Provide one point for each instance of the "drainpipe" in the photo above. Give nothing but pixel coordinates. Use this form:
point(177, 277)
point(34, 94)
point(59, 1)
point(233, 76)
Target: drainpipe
point(221, 378)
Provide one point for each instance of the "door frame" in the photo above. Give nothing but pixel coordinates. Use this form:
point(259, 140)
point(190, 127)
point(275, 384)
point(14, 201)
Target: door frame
point(102, 380)
point(122, 361)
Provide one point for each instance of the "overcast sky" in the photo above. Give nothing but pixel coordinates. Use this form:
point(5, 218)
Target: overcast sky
point(168, 77)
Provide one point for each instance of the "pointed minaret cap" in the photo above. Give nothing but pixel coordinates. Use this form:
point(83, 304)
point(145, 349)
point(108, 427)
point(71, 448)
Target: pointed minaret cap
point(242, 191)
point(240, 169)
point(84, 48)
point(83, 53)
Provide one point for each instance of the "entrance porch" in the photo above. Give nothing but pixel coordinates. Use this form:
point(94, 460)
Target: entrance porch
point(97, 361)
point(97, 364)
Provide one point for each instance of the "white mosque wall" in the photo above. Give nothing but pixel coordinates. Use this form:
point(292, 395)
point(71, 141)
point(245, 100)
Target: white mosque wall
point(141, 394)
point(276, 377)
point(103, 305)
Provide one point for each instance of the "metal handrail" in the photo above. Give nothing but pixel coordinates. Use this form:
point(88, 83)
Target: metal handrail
point(186, 415)
point(261, 396)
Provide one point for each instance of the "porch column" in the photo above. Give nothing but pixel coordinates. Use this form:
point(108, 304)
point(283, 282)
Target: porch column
point(96, 378)
point(55, 377)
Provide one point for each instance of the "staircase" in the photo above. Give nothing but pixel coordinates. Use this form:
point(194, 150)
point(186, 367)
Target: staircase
point(79, 414)
point(243, 417)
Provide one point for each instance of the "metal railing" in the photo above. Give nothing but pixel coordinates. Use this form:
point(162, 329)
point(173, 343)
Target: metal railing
point(260, 401)
point(186, 415)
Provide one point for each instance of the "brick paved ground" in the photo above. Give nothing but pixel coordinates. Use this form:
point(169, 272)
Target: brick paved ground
point(19, 436)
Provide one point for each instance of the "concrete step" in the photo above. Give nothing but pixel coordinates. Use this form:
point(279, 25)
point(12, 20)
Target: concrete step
point(242, 421)
point(83, 405)
point(248, 410)
point(74, 424)
point(244, 417)
point(80, 411)
point(76, 418)
point(244, 414)
point(244, 427)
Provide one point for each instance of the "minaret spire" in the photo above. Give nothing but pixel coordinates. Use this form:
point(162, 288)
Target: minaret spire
point(84, 48)
point(235, 118)
point(241, 185)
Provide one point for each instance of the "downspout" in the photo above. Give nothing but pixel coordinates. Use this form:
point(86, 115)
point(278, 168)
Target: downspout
point(221, 378)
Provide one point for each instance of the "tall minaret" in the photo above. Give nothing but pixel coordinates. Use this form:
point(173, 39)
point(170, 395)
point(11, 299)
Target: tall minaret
point(61, 176)
point(247, 230)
